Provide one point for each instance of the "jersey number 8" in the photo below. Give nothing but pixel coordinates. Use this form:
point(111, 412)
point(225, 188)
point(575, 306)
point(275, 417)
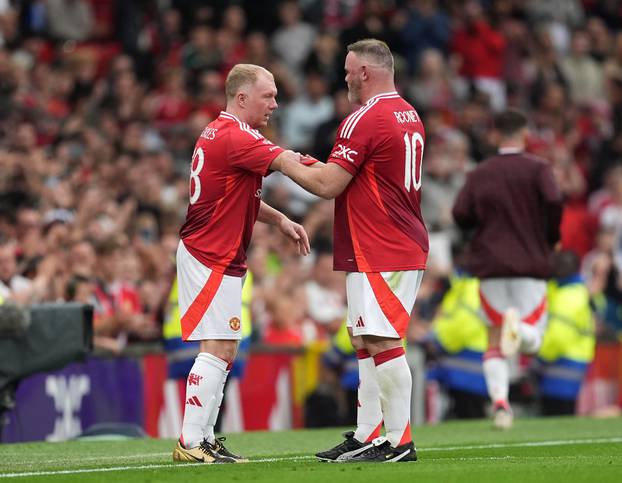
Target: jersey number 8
point(195, 169)
point(414, 157)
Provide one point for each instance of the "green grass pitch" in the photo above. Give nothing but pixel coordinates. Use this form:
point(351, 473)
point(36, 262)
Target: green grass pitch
point(557, 450)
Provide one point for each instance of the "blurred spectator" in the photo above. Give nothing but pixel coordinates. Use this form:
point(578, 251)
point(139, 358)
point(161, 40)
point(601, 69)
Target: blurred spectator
point(293, 41)
point(479, 50)
point(559, 16)
point(302, 117)
point(583, 74)
point(13, 286)
point(425, 27)
point(326, 59)
point(433, 87)
point(568, 343)
point(327, 131)
point(324, 291)
point(70, 19)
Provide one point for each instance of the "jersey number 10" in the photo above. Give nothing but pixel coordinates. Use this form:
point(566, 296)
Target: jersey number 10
point(414, 157)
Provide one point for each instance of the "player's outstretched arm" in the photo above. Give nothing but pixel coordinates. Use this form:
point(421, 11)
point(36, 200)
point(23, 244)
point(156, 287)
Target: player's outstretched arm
point(292, 230)
point(324, 180)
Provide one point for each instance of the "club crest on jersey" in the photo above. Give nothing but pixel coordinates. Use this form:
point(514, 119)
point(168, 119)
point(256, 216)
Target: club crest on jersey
point(194, 379)
point(345, 153)
point(234, 323)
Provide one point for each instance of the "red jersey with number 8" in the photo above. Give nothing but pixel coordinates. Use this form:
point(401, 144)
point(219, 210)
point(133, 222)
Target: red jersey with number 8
point(378, 222)
point(230, 159)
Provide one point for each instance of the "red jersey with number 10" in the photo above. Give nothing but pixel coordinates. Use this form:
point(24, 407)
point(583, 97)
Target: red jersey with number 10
point(228, 164)
point(378, 222)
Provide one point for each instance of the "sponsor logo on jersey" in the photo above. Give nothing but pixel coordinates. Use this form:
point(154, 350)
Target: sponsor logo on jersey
point(234, 323)
point(406, 116)
point(344, 152)
point(360, 323)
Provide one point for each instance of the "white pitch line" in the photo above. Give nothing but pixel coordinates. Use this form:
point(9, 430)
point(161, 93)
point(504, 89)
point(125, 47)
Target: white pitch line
point(525, 444)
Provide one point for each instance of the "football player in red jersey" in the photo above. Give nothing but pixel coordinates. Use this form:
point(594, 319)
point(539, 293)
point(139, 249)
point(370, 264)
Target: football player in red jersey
point(229, 161)
point(380, 240)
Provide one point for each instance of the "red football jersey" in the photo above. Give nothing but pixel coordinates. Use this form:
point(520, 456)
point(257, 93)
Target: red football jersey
point(228, 164)
point(378, 222)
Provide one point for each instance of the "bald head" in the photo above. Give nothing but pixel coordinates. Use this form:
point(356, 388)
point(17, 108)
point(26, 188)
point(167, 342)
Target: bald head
point(242, 76)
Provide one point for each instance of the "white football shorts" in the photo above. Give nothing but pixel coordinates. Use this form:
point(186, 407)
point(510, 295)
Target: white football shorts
point(526, 295)
point(210, 303)
point(380, 303)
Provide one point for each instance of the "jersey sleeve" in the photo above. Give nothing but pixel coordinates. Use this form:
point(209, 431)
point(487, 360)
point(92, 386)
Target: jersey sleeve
point(350, 148)
point(251, 151)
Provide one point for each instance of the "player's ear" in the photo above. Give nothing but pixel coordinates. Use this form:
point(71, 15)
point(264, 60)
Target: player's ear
point(364, 72)
point(241, 97)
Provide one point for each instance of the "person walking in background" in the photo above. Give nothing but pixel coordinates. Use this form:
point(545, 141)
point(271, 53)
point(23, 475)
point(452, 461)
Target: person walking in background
point(230, 158)
point(512, 204)
point(380, 240)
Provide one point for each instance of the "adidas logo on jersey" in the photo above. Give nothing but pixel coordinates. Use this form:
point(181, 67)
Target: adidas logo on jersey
point(360, 323)
point(194, 401)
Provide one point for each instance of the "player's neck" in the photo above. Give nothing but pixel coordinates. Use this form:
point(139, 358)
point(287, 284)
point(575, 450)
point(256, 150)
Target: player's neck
point(239, 113)
point(512, 146)
point(377, 89)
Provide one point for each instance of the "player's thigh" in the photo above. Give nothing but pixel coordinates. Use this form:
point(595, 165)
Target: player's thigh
point(529, 297)
point(380, 303)
point(210, 303)
point(526, 295)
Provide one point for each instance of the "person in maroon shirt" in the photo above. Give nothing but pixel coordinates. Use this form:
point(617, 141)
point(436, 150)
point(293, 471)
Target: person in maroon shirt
point(380, 240)
point(513, 205)
point(229, 160)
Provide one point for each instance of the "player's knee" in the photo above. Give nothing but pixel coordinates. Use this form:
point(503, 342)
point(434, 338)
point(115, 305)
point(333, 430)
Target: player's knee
point(494, 336)
point(223, 349)
point(356, 340)
point(376, 345)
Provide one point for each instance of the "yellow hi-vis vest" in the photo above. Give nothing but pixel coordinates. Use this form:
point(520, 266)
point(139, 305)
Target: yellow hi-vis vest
point(570, 330)
point(341, 340)
point(172, 324)
point(459, 326)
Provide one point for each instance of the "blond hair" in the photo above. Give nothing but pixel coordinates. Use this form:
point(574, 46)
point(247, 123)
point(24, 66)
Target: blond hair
point(242, 75)
point(375, 50)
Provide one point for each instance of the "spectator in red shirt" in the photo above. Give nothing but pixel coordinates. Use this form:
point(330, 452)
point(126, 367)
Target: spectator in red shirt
point(479, 49)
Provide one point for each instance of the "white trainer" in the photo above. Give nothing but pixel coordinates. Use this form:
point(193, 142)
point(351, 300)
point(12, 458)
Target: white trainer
point(503, 419)
point(510, 336)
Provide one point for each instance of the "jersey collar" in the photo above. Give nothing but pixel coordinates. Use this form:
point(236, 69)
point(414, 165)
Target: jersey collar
point(228, 115)
point(384, 95)
point(510, 150)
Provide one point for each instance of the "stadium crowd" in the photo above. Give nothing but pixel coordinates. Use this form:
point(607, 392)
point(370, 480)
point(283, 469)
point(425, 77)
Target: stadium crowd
point(101, 103)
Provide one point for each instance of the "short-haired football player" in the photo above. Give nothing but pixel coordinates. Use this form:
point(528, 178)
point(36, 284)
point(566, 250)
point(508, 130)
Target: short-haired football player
point(380, 240)
point(230, 158)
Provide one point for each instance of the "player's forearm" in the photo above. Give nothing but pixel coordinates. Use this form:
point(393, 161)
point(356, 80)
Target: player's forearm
point(269, 215)
point(312, 179)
